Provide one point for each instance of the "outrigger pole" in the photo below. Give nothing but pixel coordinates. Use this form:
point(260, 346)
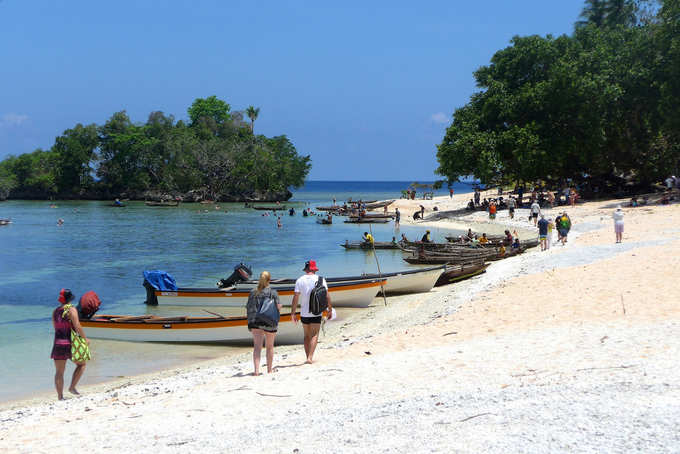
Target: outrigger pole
point(382, 288)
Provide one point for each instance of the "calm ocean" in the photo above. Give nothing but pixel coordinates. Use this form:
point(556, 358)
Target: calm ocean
point(106, 249)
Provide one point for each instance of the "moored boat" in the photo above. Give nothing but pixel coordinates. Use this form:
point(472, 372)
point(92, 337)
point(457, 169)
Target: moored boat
point(367, 246)
point(359, 293)
point(456, 273)
point(363, 220)
point(148, 328)
point(272, 208)
point(169, 203)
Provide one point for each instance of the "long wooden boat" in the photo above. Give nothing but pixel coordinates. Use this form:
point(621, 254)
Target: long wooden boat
point(363, 220)
point(457, 273)
point(367, 246)
point(375, 205)
point(433, 258)
point(272, 208)
point(406, 281)
point(183, 329)
point(171, 203)
point(116, 205)
point(359, 293)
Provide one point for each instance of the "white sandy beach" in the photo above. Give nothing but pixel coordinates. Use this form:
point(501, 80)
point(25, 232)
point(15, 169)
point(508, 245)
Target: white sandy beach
point(572, 349)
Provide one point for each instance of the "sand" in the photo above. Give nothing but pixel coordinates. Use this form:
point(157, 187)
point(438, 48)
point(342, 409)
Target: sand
point(572, 349)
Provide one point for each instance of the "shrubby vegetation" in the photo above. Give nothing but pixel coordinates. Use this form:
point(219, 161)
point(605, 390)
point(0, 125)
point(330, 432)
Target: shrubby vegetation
point(215, 156)
point(598, 107)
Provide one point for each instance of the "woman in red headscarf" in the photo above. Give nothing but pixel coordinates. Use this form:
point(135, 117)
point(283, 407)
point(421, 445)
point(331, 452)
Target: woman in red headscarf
point(65, 318)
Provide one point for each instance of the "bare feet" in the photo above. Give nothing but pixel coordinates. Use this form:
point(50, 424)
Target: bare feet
point(309, 361)
point(74, 391)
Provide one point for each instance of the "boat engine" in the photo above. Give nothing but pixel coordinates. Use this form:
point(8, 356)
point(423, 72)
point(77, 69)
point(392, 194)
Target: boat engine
point(241, 274)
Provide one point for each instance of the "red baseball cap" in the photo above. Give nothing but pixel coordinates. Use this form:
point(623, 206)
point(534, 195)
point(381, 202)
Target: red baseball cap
point(310, 265)
point(65, 296)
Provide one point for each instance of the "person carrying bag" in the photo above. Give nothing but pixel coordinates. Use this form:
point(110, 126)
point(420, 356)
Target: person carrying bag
point(263, 310)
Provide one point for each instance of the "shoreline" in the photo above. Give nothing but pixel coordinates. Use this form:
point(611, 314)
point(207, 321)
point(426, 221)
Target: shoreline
point(519, 331)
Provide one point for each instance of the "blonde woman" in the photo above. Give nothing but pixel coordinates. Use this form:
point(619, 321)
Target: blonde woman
point(263, 309)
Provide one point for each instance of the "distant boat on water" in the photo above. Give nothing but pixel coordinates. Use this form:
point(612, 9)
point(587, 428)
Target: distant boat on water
point(169, 203)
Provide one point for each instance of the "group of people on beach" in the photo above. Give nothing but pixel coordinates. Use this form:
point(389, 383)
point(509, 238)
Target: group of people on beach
point(71, 343)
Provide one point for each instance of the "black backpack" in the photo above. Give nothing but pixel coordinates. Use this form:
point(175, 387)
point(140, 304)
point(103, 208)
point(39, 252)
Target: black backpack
point(318, 298)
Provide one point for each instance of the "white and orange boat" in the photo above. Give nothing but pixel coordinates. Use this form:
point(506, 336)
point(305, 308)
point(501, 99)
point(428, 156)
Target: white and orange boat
point(151, 328)
point(358, 293)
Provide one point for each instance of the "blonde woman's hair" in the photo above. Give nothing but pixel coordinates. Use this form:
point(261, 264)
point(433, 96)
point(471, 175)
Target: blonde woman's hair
point(265, 277)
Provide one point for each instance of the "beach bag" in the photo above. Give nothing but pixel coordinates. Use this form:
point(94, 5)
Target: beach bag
point(88, 305)
point(80, 351)
point(318, 298)
point(267, 312)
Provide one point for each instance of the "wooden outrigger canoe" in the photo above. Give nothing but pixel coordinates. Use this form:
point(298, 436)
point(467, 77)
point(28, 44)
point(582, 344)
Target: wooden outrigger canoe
point(162, 204)
point(149, 328)
point(357, 293)
point(273, 208)
point(364, 220)
point(367, 246)
point(457, 273)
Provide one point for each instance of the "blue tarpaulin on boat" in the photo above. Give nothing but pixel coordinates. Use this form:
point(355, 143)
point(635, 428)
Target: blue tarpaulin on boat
point(160, 280)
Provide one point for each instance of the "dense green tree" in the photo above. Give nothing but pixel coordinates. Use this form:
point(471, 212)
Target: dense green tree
point(75, 150)
point(598, 105)
point(209, 109)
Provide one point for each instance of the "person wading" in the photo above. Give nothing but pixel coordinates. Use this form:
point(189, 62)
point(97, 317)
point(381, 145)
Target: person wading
point(311, 323)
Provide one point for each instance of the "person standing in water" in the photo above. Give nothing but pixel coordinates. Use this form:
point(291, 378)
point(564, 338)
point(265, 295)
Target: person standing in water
point(65, 319)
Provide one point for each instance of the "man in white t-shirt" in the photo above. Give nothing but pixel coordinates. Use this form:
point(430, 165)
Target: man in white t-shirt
point(535, 211)
point(310, 323)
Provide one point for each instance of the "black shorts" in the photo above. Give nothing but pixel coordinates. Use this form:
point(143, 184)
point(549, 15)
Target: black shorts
point(310, 320)
point(534, 215)
point(269, 329)
point(512, 209)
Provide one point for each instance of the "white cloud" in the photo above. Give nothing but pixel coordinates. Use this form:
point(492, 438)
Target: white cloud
point(13, 119)
point(440, 118)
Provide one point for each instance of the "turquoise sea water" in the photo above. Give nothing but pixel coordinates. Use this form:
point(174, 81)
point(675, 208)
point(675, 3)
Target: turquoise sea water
point(106, 249)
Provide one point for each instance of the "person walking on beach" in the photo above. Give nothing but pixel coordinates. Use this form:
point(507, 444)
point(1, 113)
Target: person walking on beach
point(450, 193)
point(310, 323)
point(263, 309)
point(563, 226)
point(397, 218)
point(551, 227)
point(511, 207)
point(422, 212)
point(477, 196)
point(65, 319)
point(618, 223)
point(535, 211)
point(543, 232)
point(492, 210)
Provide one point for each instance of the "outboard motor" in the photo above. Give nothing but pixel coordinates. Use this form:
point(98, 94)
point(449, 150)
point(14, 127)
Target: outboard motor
point(151, 298)
point(88, 305)
point(241, 274)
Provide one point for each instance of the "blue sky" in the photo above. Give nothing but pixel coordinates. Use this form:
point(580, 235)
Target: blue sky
point(366, 88)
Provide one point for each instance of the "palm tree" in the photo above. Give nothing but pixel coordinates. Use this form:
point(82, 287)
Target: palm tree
point(620, 12)
point(594, 12)
point(252, 113)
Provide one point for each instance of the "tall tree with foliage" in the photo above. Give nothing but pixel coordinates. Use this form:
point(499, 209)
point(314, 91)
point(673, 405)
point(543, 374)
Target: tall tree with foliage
point(252, 113)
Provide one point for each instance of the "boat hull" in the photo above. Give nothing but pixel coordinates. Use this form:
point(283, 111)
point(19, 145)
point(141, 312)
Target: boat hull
point(204, 330)
point(345, 294)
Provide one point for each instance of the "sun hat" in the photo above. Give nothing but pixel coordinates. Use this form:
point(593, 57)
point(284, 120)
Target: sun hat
point(310, 265)
point(65, 296)
point(618, 207)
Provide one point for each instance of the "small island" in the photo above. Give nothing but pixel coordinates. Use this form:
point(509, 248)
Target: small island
point(215, 156)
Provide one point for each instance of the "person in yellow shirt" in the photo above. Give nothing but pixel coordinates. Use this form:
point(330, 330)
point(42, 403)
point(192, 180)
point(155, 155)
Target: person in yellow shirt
point(483, 239)
point(368, 239)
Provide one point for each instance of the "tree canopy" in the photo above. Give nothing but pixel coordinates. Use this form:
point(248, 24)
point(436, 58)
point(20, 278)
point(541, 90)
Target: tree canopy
point(599, 104)
point(216, 155)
